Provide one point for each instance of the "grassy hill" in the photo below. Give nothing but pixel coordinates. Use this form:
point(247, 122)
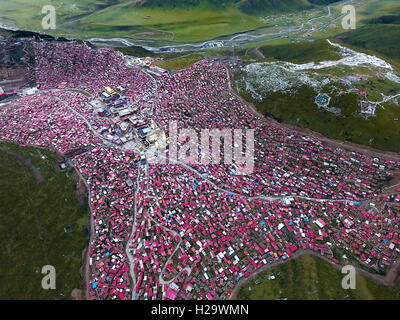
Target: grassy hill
point(379, 34)
point(290, 96)
point(310, 278)
point(302, 52)
point(41, 223)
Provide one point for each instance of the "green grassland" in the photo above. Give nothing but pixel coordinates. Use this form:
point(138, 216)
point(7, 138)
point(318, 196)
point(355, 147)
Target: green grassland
point(180, 24)
point(41, 223)
point(178, 20)
point(178, 63)
point(247, 6)
point(378, 8)
point(368, 11)
point(378, 29)
point(302, 52)
point(125, 18)
point(382, 38)
point(310, 278)
point(298, 108)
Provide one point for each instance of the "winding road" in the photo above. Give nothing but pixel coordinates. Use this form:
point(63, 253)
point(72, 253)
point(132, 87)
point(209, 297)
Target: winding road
point(238, 39)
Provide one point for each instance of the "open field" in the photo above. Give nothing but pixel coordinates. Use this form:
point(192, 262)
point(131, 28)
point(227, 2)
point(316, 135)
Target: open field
point(179, 63)
point(161, 20)
point(381, 132)
point(311, 278)
point(382, 38)
point(300, 52)
point(124, 18)
point(195, 24)
point(41, 223)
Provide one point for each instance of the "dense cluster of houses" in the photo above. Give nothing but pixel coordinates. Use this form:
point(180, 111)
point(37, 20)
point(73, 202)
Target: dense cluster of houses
point(173, 231)
point(44, 120)
point(287, 163)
